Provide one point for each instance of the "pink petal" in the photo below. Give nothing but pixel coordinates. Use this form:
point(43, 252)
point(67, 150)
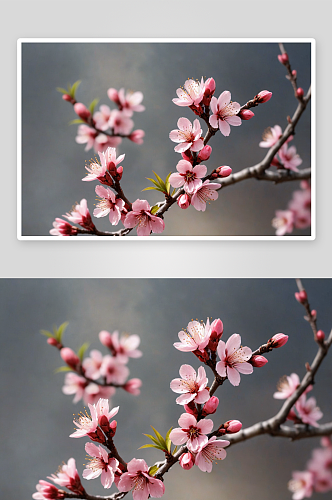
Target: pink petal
point(200, 170)
point(224, 128)
point(202, 396)
point(176, 180)
point(224, 99)
point(137, 464)
point(184, 399)
point(107, 478)
point(187, 372)
point(131, 220)
point(233, 343)
point(205, 425)
point(197, 145)
point(233, 376)
point(177, 386)
point(184, 124)
point(214, 105)
point(245, 368)
point(175, 136)
point(180, 148)
point(157, 224)
point(213, 120)
point(178, 436)
point(221, 368)
point(156, 487)
point(141, 205)
point(186, 420)
point(92, 449)
point(184, 166)
point(234, 120)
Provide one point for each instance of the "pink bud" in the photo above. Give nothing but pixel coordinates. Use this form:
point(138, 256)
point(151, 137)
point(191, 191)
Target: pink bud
point(275, 162)
point(113, 426)
point(201, 355)
point(320, 336)
point(224, 171)
point(278, 340)
point(119, 172)
point(326, 442)
point(186, 155)
point(137, 136)
point(301, 296)
point(82, 111)
point(210, 406)
point(292, 416)
point(258, 361)
point(53, 341)
point(186, 461)
point(204, 153)
point(314, 314)
point(232, 426)
point(66, 97)
point(113, 95)
point(133, 386)
point(246, 114)
point(183, 201)
point(106, 339)
point(283, 58)
point(294, 73)
point(104, 423)
point(264, 96)
point(70, 357)
point(217, 329)
point(191, 408)
point(210, 86)
point(300, 92)
point(49, 491)
point(64, 228)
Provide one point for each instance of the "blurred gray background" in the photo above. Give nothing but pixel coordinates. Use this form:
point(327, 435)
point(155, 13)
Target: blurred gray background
point(36, 418)
point(53, 163)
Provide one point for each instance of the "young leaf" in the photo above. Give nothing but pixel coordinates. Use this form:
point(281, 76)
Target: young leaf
point(63, 369)
point(63, 91)
point(160, 438)
point(93, 105)
point(75, 121)
point(153, 470)
point(167, 184)
point(154, 209)
point(47, 333)
point(154, 182)
point(150, 446)
point(168, 441)
point(152, 438)
point(58, 333)
point(82, 349)
point(73, 88)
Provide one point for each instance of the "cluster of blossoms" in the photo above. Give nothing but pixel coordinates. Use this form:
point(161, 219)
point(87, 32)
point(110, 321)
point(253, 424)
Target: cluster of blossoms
point(84, 378)
point(298, 213)
point(106, 128)
point(318, 474)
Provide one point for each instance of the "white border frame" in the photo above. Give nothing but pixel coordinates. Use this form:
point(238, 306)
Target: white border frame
point(312, 41)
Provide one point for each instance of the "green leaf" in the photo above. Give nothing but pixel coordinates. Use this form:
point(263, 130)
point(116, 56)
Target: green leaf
point(63, 91)
point(167, 183)
point(161, 182)
point(75, 121)
point(148, 446)
point(168, 441)
point(82, 349)
point(160, 438)
point(47, 333)
point(73, 88)
point(154, 182)
point(58, 333)
point(154, 209)
point(93, 105)
point(151, 187)
point(152, 438)
point(153, 470)
point(63, 369)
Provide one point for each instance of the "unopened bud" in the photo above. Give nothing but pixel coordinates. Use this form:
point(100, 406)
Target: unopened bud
point(204, 153)
point(97, 436)
point(113, 426)
point(106, 339)
point(301, 296)
point(186, 461)
point(300, 92)
point(278, 340)
point(133, 386)
point(104, 423)
point(314, 314)
point(217, 329)
point(210, 87)
point(119, 172)
point(232, 426)
point(70, 357)
point(210, 406)
point(82, 111)
point(264, 96)
point(201, 355)
point(66, 97)
point(53, 341)
point(137, 136)
point(183, 201)
point(258, 361)
point(283, 58)
point(246, 114)
point(294, 73)
point(320, 336)
point(224, 171)
point(113, 95)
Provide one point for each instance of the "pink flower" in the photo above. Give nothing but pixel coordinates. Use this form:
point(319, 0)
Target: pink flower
point(103, 142)
point(191, 94)
point(47, 491)
point(307, 410)
point(188, 135)
point(288, 385)
point(137, 136)
point(63, 228)
point(191, 432)
point(114, 371)
point(141, 217)
point(289, 158)
point(81, 215)
point(204, 194)
point(300, 204)
point(101, 117)
point(130, 102)
point(92, 365)
point(88, 424)
point(233, 359)
point(108, 204)
point(108, 162)
point(212, 450)
point(192, 387)
point(188, 176)
point(86, 135)
point(123, 347)
point(120, 122)
point(137, 479)
point(283, 222)
point(271, 136)
point(195, 336)
point(100, 464)
point(224, 113)
point(301, 485)
point(133, 386)
point(321, 466)
point(68, 477)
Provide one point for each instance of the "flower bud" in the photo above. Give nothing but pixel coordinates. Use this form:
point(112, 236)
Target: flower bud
point(301, 296)
point(314, 314)
point(278, 340)
point(204, 153)
point(246, 114)
point(113, 426)
point(132, 386)
point(82, 111)
point(232, 426)
point(113, 95)
point(106, 339)
point(217, 329)
point(320, 336)
point(186, 155)
point(283, 58)
point(49, 491)
point(137, 136)
point(326, 442)
point(224, 171)
point(294, 73)
point(258, 361)
point(201, 355)
point(300, 92)
point(186, 461)
point(66, 97)
point(119, 172)
point(97, 436)
point(104, 423)
point(70, 357)
point(264, 96)
point(210, 406)
point(53, 341)
point(183, 201)
point(210, 87)
point(191, 408)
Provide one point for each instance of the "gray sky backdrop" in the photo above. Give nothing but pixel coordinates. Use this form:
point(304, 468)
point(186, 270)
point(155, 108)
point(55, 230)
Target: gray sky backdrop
point(53, 163)
point(36, 418)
